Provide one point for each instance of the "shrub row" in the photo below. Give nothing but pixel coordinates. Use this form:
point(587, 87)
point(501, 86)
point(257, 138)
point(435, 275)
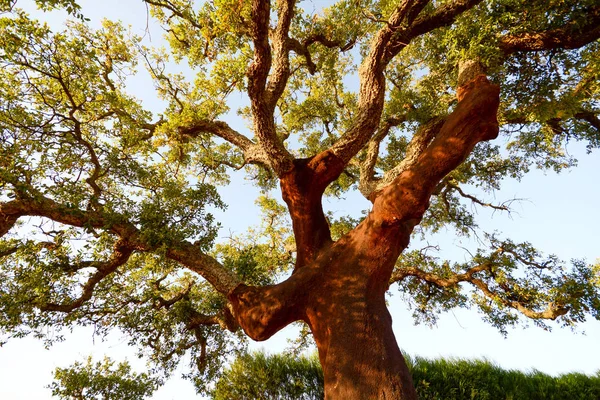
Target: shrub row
point(260, 376)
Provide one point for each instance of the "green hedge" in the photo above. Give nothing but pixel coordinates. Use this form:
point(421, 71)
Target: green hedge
point(456, 379)
point(281, 376)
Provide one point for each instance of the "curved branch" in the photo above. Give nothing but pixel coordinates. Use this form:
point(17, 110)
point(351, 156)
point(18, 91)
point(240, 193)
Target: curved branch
point(372, 82)
point(473, 120)
point(499, 207)
point(404, 24)
point(552, 310)
point(252, 152)
point(281, 68)
point(301, 48)
point(223, 280)
point(572, 35)
point(415, 148)
point(121, 253)
point(262, 108)
point(589, 117)
point(454, 280)
point(442, 16)
point(7, 221)
point(367, 167)
point(206, 266)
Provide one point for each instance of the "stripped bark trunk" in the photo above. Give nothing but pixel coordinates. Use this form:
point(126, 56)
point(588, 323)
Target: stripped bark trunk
point(338, 288)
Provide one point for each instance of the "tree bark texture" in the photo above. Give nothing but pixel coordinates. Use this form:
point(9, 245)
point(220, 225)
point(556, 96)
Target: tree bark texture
point(338, 288)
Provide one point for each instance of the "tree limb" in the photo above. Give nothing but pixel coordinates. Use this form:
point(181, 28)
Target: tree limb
point(121, 253)
point(415, 148)
point(252, 152)
point(372, 83)
point(473, 120)
point(590, 117)
point(262, 108)
point(552, 310)
point(301, 48)
point(184, 252)
point(457, 188)
point(404, 24)
point(280, 41)
point(572, 35)
point(367, 167)
point(442, 16)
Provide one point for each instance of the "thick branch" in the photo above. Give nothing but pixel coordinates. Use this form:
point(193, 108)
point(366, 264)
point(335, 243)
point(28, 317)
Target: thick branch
point(367, 167)
point(7, 221)
point(210, 269)
point(302, 189)
point(263, 311)
point(262, 109)
point(404, 24)
point(184, 252)
point(225, 320)
point(442, 16)
point(572, 35)
point(281, 65)
point(415, 148)
point(590, 117)
point(372, 82)
point(474, 120)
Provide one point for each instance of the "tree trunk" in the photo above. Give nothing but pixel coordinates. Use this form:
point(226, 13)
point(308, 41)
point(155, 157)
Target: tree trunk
point(358, 351)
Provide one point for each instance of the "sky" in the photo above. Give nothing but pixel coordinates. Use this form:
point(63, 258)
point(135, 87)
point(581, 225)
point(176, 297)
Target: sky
point(560, 215)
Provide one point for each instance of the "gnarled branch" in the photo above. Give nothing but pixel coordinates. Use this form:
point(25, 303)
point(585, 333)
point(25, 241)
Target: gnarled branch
point(184, 252)
point(261, 105)
point(572, 35)
point(415, 148)
point(252, 152)
point(404, 24)
point(281, 63)
point(121, 253)
point(552, 310)
point(589, 117)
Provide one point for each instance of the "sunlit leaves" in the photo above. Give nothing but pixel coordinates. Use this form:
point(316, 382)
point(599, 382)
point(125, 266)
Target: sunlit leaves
point(261, 376)
point(101, 380)
point(264, 253)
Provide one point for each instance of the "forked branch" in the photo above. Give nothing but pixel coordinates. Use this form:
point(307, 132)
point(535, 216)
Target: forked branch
point(405, 24)
point(414, 149)
point(552, 310)
point(184, 252)
point(121, 253)
point(261, 103)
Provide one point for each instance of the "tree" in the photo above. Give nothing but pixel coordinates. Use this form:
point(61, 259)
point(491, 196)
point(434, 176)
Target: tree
point(101, 381)
point(106, 209)
point(277, 376)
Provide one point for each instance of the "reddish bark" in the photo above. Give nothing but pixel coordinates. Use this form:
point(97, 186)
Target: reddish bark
point(338, 288)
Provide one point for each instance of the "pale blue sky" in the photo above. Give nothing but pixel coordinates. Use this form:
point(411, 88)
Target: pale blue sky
point(561, 216)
